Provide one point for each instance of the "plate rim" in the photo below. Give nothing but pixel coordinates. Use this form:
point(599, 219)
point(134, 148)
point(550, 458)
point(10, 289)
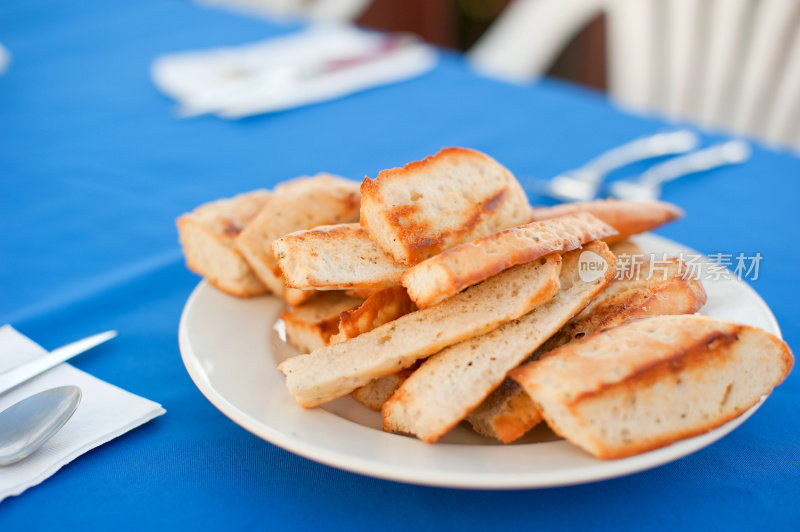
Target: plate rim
point(457, 479)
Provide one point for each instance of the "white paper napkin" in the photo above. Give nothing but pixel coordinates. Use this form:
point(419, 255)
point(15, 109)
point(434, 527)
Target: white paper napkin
point(104, 413)
point(286, 72)
point(5, 58)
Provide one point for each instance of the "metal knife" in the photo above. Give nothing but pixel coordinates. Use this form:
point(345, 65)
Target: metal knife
point(16, 376)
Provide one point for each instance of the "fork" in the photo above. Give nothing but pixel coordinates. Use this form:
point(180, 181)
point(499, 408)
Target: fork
point(648, 186)
point(582, 184)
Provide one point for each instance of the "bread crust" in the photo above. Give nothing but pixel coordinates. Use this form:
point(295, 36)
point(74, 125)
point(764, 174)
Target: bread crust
point(363, 293)
point(627, 217)
point(337, 370)
point(651, 382)
point(379, 308)
point(441, 276)
point(374, 394)
point(453, 382)
point(625, 247)
point(249, 288)
point(508, 413)
point(207, 235)
point(312, 324)
point(301, 203)
point(480, 195)
point(335, 257)
point(625, 300)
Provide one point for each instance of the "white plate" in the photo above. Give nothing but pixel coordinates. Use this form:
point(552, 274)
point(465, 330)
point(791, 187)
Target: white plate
point(231, 348)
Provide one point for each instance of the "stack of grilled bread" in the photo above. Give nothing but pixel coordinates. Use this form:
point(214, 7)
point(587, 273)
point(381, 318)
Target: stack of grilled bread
point(437, 295)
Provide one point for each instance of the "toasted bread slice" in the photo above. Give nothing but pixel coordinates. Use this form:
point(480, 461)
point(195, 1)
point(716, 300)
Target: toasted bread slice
point(335, 257)
point(337, 370)
point(653, 381)
point(508, 413)
point(379, 308)
point(375, 393)
point(439, 277)
point(207, 235)
point(294, 297)
point(311, 325)
point(651, 293)
point(363, 293)
point(625, 247)
point(301, 203)
point(453, 382)
point(447, 199)
point(627, 217)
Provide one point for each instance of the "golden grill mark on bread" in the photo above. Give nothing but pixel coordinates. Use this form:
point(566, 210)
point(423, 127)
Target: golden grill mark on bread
point(627, 217)
point(507, 413)
point(207, 237)
point(456, 380)
point(336, 370)
point(301, 203)
point(441, 276)
point(653, 381)
point(335, 257)
point(427, 206)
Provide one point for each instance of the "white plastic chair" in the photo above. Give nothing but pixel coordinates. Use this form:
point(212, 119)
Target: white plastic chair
point(731, 64)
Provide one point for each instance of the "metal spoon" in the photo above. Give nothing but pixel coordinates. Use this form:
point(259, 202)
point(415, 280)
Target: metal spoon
point(648, 186)
point(27, 425)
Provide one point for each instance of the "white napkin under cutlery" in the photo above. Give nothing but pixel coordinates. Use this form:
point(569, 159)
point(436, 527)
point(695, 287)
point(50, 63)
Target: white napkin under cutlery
point(104, 413)
point(314, 65)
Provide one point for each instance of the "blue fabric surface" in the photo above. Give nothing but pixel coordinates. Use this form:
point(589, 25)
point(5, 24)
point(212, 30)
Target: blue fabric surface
point(94, 169)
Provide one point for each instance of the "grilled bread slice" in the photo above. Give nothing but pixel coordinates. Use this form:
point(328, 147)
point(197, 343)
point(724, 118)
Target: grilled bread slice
point(627, 217)
point(447, 199)
point(626, 248)
point(375, 393)
point(363, 293)
point(379, 308)
point(311, 325)
point(337, 370)
point(653, 292)
point(653, 381)
point(301, 203)
point(508, 413)
point(207, 235)
point(335, 257)
point(453, 382)
point(446, 274)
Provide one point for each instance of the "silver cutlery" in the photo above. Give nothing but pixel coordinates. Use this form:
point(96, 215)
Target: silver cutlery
point(582, 184)
point(28, 424)
point(16, 376)
point(648, 185)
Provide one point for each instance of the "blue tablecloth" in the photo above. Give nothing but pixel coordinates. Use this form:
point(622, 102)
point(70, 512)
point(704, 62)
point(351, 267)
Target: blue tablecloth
point(94, 169)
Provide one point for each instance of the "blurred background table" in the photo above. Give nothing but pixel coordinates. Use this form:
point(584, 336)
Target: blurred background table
point(95, 168)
